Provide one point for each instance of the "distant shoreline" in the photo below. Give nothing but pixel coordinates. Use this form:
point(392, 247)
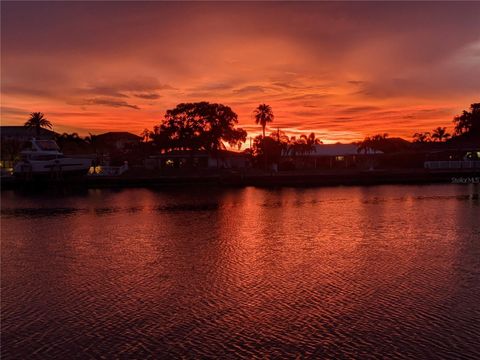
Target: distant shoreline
point(242, 179)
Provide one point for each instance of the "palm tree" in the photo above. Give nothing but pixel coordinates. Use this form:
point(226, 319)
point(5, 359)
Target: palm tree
point(73, 138)
point(263, 115)
point(282, 139)
point(70, 142)
point(379, 137)
point(92, 140)
point(440, 134)
point(365, 145)
point(309, 142)
point(146, 135)
point(421, 137)
point(378, 142)
point(37, 121)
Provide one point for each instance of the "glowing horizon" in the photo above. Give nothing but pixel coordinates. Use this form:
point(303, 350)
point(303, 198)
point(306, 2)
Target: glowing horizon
point(343, 71)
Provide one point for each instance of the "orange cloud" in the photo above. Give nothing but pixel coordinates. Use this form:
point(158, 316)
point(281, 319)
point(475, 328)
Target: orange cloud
point(323, 67)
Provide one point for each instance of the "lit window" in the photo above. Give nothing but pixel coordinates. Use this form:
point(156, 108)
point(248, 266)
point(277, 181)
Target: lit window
point(339, 158)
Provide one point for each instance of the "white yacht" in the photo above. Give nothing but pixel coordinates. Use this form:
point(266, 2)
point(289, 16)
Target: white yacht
point(44, 158)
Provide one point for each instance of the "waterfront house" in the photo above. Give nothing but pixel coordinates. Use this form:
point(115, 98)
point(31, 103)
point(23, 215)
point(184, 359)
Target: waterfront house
point(463, 158)
point(118, 140)
point(201, 159)
point(331, 156)
point(24, 134)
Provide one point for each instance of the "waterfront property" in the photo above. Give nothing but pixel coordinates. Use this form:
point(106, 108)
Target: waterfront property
point(14, 138)
point(275, 180)
point(22, 133)
point(179, 159)
point(331, 156)
point(466, 158)
point(118, 140)
point(43, 158)
point(104, 148)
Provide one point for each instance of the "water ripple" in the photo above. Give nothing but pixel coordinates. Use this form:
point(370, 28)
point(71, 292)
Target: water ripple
point(359, 273)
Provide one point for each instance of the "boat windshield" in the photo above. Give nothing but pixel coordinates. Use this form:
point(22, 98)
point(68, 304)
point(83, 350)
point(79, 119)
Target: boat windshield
point(47, 145)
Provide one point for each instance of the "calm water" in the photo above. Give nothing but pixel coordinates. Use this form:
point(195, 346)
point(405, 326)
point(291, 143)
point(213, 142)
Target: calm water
point(346, 272)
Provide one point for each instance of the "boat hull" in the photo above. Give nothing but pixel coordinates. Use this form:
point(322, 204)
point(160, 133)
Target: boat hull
point(66, 167)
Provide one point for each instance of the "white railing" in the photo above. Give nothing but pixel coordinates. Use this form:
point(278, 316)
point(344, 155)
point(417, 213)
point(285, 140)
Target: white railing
point(459, 164)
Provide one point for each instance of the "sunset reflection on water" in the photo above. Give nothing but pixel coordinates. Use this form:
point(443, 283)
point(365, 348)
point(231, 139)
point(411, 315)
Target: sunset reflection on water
point(327, 272)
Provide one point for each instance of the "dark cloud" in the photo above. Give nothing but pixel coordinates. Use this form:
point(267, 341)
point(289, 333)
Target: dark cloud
point(5, 110)
point(133, 83)
point(141, 87)
point(295, 56)
point(103, 90)
point(284, 85)
point(359, 109)
point(148, 96)
point(307, 97)
point(356, 82)
point(305, 113)
point(105, 102)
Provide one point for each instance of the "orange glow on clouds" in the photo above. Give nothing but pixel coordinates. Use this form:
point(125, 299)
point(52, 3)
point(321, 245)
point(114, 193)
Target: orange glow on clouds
point(323, 67)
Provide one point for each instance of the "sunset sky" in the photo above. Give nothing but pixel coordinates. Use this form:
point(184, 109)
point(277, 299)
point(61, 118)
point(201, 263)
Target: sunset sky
point(342, 70)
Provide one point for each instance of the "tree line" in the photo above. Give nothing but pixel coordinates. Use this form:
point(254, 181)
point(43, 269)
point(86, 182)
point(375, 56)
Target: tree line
point(466, 124)
point(209, 126)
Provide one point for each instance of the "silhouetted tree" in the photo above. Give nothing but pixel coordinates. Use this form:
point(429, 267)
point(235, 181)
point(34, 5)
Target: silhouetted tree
point(303, 145)
point(309, 142)
point(421, 137)
point(73, 137)
point(146, 135)
point(294, 146)
point(162, 140)
point(377, 142)
point(266, 150)
point(263, 115)
point(468, 121)
point(202, 125)
point(92, 140)
point(37, 121)
point(364, 145)
point(440, 134)
point(282, 139)
point(71, 142)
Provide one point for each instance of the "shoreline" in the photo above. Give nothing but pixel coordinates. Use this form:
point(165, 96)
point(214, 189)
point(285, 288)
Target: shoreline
point(260, 179)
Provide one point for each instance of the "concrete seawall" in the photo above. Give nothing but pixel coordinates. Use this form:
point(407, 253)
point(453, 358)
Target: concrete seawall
point(262, 179)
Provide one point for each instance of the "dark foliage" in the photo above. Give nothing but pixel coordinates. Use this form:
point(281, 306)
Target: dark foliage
point(468, 121)
point(198, 126)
